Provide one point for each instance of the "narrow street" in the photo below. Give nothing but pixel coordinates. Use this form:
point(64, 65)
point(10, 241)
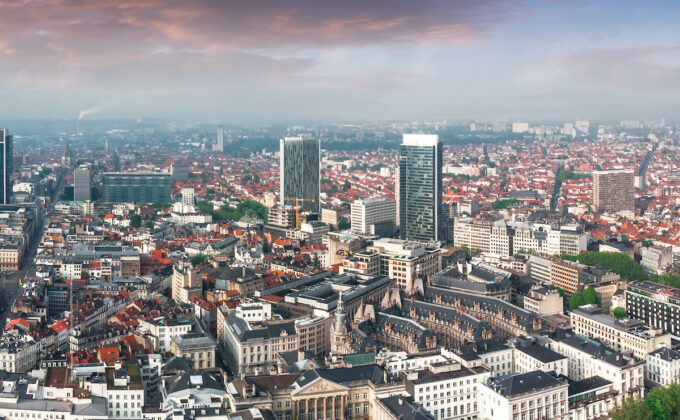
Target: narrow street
point(11, 280)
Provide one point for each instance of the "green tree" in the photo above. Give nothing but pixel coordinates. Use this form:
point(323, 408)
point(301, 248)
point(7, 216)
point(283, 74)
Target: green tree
point(576, 300)
point(347, 185)
point(136, 221)
point(618, 262)
point(266, 248)
point(561, 292)
point(619, 313)
point(590, 296)
point(198, 259)
point(149, 224)
point(632, 409)
point(665, 402)
point(315, 261)
point(502, 204)
point(343, 224)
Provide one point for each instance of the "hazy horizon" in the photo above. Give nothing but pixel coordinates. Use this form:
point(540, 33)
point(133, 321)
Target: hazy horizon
point(301, 60)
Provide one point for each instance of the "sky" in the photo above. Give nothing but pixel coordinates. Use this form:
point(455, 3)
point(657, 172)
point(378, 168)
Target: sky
point(339, 61)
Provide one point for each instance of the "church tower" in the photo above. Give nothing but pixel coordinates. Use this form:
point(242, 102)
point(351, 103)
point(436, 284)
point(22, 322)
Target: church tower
point(339, 339)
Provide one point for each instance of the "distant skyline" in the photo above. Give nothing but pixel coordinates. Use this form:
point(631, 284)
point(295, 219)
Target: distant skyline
point(304, 60)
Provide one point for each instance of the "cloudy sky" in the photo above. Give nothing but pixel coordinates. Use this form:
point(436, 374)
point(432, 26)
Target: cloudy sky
point(348, 60)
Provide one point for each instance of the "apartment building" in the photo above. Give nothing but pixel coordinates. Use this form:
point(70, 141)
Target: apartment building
point(620, 334)
point(614, 191)
point(197, 347)
point(185, 282)
point(506, 237)
point(447, 390)
point(590, 357)
point(663, 366)
point(163, 329)
point(523, 396)
point(543, 301)
point(530, 356)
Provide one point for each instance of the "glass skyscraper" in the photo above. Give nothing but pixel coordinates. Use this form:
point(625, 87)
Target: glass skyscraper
point(136, 187)
point(7, 162)
point(82, 188)
point(299, 172)
point(420, 187)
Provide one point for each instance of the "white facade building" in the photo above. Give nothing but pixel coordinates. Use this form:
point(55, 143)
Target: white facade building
point(368, 213)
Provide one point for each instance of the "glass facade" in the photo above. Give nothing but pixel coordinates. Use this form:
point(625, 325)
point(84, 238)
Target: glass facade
point(420, 187)
point(151, 187)
point(6, 157)
point(81, 185)
point(299, 172)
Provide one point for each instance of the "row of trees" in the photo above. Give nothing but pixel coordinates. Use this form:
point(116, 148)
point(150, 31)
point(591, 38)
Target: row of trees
point(502, 204)
point(620, 263)
point(660, 404)
point(587, 297)
point(249, 208)
point(669, 279)
point(567, 174)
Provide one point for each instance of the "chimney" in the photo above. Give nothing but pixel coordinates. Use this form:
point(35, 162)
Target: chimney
point(300, 355)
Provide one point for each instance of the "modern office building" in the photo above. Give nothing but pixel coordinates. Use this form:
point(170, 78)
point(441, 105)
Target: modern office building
point(188, 194)
point(656, 258)
point(6, 166)
point(567, 276)
point(374, 216)
point(656, 305)
point(299, 172)
point(136, 187)
point(420, 187)
point(82, 184)
point(219, 147)
point(614, 191)
point(396, 194)
point(403, 261)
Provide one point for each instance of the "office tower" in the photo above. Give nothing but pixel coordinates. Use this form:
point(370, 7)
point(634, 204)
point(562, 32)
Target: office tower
point(188, 196)
point(220, 139)
point(613, 191)
point(186, 283)
point(179, 172)
point(299, 172)
point(374, 216)
point(396, 194)
point(420, 187)
point(136, 187)
point(82, 187)
point(6, 160)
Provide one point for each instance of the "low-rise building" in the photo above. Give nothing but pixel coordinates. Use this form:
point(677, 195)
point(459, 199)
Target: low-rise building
point(197, 347)
point(620, 334)
point(447, 390)
point(524, 396)
point(663, 366)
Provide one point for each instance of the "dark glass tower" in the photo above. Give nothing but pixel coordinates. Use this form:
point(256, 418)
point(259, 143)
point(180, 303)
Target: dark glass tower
point(299, 172)
point(420, 187)
point(136, 187)
point(7, 161)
